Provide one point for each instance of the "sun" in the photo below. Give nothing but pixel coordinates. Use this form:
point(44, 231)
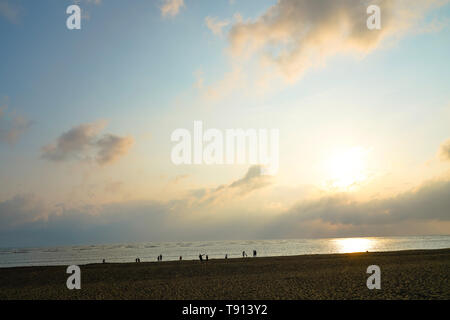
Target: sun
point(347, 169)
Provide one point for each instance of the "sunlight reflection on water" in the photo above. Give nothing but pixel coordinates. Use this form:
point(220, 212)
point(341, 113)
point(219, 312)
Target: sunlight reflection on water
point(349, 245)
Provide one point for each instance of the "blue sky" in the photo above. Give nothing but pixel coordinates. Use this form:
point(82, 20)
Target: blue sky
point(133, 75)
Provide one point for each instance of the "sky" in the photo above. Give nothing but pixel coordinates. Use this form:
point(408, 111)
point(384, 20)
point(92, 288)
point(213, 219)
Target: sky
point(87, 118)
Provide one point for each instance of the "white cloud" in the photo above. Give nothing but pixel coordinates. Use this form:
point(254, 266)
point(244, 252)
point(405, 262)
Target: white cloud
point(21, 209)
point(171, 7)
point(296, 35)
point(215, 25)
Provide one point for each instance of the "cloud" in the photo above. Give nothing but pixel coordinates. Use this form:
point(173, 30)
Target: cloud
point(73, 143)
point(215, 25)
point(12, 126)
point(21, 209)
point(444, 151)
point(253, 180)
point(84, 142)
point(295, 35)
point(9, 12)
point(111, 147)
point(171, 7)
point(129, 221)
point(26, 220)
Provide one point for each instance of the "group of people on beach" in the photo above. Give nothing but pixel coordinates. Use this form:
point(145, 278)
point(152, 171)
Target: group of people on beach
point(200, 257)
point(244, 255)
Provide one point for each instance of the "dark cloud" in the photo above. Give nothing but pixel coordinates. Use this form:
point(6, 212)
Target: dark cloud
point(84, 142)
point(26, 220)
point(114, 223)
point(21, 209)
point(430, 202)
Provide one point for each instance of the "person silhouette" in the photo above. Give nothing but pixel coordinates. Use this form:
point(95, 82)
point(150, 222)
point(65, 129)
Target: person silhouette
point(206, 257)
point(181, 258)
point(200, 256)
point(244, 254)
point(226, 256)
point(104, 261)
point(254, 253)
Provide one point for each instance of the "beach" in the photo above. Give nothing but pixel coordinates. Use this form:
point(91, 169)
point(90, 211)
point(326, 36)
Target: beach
point(415, 274)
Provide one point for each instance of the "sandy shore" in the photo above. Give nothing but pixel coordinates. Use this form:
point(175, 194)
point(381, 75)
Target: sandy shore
point(423, 274)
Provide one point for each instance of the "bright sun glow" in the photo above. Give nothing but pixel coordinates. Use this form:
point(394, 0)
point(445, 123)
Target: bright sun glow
point(354, 244)
point(347, 169)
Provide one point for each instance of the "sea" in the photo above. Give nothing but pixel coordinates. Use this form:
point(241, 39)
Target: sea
point(190, 250)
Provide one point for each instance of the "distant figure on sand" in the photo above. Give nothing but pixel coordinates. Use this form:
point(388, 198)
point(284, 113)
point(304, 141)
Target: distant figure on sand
point(181, 258)
point(226, 256)
point(244, 254)
point(206, 257)
point(104, 261)
point(160, 257)
point(254, 253)
point(200, 256)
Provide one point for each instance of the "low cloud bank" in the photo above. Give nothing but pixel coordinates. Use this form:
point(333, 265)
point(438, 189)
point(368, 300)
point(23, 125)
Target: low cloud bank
point(25, 220)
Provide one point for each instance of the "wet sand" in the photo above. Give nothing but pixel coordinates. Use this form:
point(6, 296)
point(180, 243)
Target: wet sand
point(418, 274)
